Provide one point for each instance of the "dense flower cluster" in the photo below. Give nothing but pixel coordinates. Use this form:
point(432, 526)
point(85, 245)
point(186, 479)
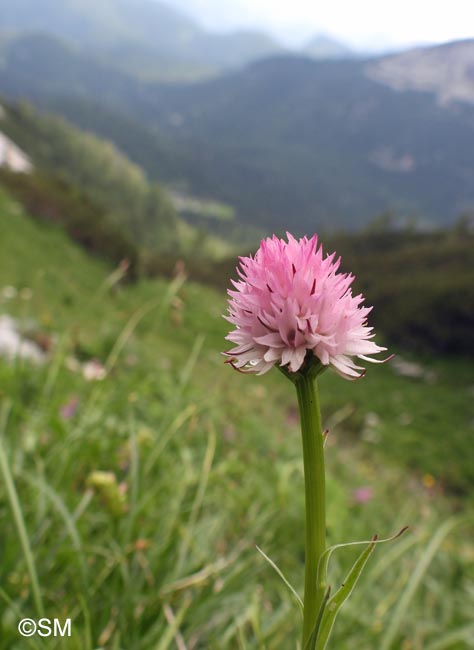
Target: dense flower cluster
point(290, 299)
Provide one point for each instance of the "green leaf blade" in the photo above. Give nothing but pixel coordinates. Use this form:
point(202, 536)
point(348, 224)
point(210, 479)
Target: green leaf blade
point(342, 594)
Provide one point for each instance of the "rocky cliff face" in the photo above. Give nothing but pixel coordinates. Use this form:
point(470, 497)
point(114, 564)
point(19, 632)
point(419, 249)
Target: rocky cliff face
point(445, 70)
point(11, 156)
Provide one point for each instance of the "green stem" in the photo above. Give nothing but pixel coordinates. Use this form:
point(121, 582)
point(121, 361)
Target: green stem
point(315, 497)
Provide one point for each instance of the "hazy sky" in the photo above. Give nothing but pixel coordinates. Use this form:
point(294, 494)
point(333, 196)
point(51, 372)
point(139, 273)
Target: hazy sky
point(360, 23)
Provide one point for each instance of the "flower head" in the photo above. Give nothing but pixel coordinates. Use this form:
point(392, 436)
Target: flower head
point(292, 305)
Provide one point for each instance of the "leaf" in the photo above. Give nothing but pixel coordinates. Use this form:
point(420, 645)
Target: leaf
point(280, 573)
point(335, 603)
point(311, 643)
point(323, 566)
point(326, 556)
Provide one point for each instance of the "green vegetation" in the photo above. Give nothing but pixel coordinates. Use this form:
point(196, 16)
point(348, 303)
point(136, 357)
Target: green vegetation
point(54, 199)
point(138, 473)
point(148, 40)
point(313, 156)
point(100, 172)
point(421, 284)
point(202, 208)
point(105, 202)
point(331, 150)
point(133, 504)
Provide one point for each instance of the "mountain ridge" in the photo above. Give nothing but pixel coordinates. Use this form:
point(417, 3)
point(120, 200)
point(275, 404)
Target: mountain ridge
point(323, 46)
point(446, 70)
point(149, 39)
point(284, 139)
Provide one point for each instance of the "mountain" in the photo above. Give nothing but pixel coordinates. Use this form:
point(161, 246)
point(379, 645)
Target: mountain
point(289, 139)
point(69, 164)
point(40, 65)
point(447, 71)
point(323, 46)
point(286, 141)
point(144, 37)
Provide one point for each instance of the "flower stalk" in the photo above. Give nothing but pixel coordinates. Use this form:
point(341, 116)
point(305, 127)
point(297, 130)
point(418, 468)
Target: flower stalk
point(315, 499)
point(292, 309)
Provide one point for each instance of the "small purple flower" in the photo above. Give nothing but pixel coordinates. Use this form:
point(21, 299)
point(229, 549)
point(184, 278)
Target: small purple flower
point(363, 494)
point(69, 409)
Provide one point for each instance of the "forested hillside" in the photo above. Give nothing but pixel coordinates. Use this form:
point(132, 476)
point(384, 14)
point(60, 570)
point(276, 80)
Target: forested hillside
point(99, 171)
point(149, 39)
point(287, 141)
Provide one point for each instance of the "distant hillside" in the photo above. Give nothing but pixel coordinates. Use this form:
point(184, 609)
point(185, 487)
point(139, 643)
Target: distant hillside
point(446, 71)
point(106, 202)
point(288, 141)
point(95, 169)
point(144, 37)
point(40, 65)
point(322, 46)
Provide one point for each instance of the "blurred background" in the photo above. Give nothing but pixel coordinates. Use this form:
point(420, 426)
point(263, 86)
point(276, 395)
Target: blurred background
point(144, 145)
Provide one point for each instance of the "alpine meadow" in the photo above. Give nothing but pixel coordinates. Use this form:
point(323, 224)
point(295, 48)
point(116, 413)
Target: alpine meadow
point(190, 218)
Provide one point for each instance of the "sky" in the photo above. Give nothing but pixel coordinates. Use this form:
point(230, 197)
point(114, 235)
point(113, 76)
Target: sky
point(363, 24)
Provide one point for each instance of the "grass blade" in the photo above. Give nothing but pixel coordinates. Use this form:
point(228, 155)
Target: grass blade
point(198, 499)
point(446, 642)
point(18, 518)
point(133, 322)
point(280, 573)
point(18, 615)
point(68, 520)
point(173, 628)
point(417, 577)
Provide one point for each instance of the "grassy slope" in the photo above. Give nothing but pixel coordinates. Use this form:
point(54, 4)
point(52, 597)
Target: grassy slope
point(97, 191)
point(208, 464)
point(99, 171)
